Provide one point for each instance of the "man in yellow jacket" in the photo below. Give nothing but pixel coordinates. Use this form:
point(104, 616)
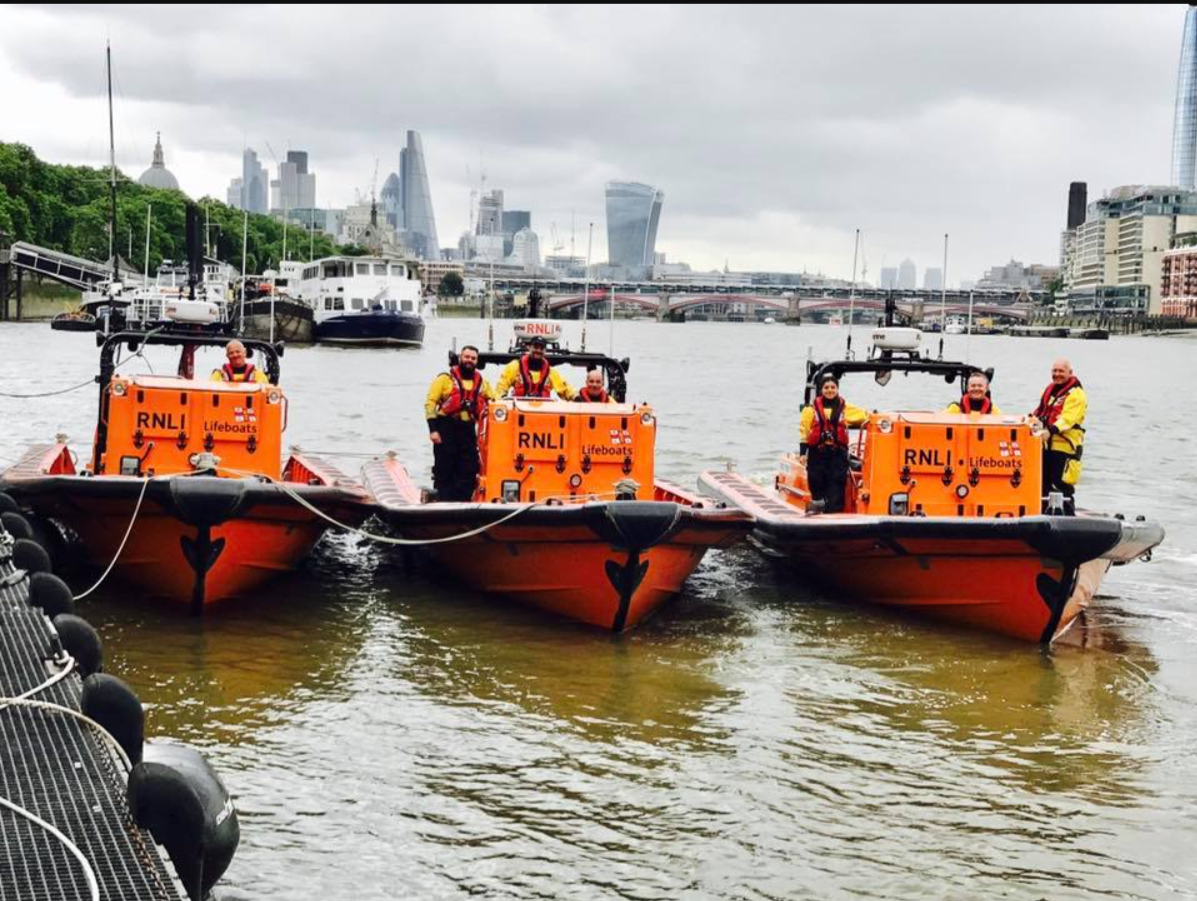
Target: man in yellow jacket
point(532, 376)
point(238, 368)
point(1061, 412)
point(823, 428)
point(976, 397)
point(455, 404)
point(593, 391)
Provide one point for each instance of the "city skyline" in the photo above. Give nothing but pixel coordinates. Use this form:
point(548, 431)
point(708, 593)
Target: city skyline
point(904, 145)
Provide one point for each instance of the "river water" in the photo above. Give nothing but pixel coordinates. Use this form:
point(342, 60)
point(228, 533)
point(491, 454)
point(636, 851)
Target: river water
point(389, 734)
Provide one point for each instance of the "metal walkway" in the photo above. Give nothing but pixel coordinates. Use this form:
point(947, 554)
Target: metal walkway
point(56, 767)
point(60, 267)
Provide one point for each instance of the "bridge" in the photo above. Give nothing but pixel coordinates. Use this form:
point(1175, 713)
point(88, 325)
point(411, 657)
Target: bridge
point(799, 304)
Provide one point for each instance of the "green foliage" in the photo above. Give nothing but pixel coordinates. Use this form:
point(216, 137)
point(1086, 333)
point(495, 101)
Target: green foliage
point(1056, 286)
point(451, 285)
point(67, 208)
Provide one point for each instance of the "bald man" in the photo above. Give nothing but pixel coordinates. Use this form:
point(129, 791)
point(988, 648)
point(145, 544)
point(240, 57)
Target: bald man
point(238, 368)
point(1062, 411)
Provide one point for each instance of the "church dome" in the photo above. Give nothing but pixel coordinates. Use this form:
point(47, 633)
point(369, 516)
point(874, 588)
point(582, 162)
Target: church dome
point(158, 176)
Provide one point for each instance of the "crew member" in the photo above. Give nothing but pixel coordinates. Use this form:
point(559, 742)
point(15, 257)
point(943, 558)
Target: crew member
point(1061, 412)
point(532, 376)
point(594, 392)
point(238, 368)
point(823, 428)
point(456, 403)
point(976, 397)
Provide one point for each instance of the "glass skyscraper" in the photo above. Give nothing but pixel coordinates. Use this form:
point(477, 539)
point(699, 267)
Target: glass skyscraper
point(1184, 123)
point(633, 212)
point(418, 221)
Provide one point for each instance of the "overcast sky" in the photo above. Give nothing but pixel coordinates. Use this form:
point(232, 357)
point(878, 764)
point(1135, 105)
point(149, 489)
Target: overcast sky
point(774, 132)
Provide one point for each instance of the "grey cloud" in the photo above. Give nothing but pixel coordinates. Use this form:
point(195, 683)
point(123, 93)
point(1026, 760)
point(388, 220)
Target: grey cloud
point(907, 121)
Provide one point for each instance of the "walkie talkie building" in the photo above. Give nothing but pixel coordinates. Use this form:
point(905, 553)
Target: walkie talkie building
point(633, 212)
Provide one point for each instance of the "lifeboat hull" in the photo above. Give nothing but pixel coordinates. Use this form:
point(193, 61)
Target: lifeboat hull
point(607, 564)
point(1027, 578)
point(195, 539)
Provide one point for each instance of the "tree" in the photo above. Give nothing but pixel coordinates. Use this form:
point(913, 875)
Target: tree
point(67, 208)
point(451, 285)
point(1056, 286)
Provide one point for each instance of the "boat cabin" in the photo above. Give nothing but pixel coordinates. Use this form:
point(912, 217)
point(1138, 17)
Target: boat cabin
point(335, 286)
point(562, 451)
point(925, 463)
point(163, 424)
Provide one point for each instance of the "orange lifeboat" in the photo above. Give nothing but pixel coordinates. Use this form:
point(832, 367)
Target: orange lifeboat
point(187, 494)
point(567, 515)
point(942, 516)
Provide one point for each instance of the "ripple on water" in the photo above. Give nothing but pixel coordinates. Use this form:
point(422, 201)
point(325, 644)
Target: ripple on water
point(385, 729)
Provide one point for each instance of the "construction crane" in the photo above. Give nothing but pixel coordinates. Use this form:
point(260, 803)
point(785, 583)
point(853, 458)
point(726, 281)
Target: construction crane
point(557, 245)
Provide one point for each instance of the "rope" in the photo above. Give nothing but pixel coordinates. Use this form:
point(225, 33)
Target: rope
point(129, 531)
point(91, 381)
point(382, 539)
point(88, 873)
point(68, 666)
point(58, 708)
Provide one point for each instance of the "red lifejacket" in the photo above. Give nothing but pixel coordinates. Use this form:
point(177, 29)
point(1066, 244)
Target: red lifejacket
point(826, 432)
point(472, 402)
point(525, 387)
point(1051, 405)
point(966, 404)
point(585, 398)
point(230, 375)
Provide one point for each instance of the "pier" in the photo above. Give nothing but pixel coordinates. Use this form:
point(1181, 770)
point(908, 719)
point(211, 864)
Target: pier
point(57, 768)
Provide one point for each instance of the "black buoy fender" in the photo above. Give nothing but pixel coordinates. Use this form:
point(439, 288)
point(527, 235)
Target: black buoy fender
point(80, 640)
point(112, 704)
point(177, 795)
point(30, 556)
point(50, 593)
point(7, 504)
point(16, 524)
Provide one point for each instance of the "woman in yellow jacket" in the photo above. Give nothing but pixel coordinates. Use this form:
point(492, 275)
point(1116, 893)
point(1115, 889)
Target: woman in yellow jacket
point(823, 428)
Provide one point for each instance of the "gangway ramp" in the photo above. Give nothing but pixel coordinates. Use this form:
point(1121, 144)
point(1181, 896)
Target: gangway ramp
point(76, 272)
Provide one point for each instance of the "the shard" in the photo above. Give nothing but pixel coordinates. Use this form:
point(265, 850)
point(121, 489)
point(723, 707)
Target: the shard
point(1184, 123)
point(417, 220)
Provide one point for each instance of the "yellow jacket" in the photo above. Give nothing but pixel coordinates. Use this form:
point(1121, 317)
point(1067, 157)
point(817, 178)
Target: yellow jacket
point(442, 387)
point(954, 407)
point(259, 376)
point(1067, 431)
point(610, 398)
point(852, 416)
point(511, 376)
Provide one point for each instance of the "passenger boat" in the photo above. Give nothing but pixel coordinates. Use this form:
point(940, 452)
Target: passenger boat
point(943, 514)
point(187, 494)
point(362, 301)
point(567, 515)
